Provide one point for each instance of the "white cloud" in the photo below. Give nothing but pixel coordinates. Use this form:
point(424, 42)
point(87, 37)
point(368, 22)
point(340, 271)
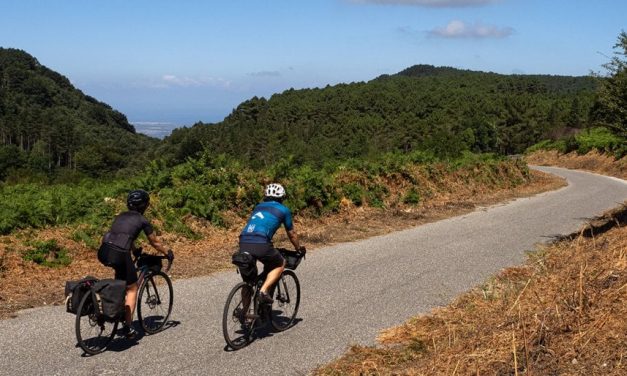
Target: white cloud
point(459, 29)
point(169, 80)
point(265, 74)
point(428, 3)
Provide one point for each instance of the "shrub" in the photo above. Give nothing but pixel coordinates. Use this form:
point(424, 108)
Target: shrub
point(376, 195)
point(600, 139)
point(412, 197)
point(542, 145)
point(354, 192)
point(47, 253)
point(87, 236)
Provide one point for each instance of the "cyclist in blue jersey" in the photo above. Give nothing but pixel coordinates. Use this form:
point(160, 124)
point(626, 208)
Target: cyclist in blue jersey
point(256, 237)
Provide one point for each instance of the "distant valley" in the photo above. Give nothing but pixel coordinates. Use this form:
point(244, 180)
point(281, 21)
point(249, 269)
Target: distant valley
point(155, 129)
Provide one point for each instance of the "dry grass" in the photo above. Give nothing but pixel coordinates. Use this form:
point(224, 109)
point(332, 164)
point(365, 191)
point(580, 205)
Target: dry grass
point(563, 313)
point(25, 284)
point(593, 161)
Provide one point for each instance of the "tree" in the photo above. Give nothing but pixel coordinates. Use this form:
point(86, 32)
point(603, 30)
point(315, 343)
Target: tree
point(574, 116)
point(10, 157)
point(610, 109)
point(90, 160)
point(39, 159)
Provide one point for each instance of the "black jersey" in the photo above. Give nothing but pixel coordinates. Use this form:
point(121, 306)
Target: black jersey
point(126, 228)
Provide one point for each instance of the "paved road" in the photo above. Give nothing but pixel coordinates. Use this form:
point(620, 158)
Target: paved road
point(350, 292)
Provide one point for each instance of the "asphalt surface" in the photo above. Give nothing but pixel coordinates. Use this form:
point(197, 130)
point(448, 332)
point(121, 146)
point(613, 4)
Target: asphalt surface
point(349, 293)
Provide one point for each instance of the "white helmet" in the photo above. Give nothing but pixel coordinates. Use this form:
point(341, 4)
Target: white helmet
point(275, 190)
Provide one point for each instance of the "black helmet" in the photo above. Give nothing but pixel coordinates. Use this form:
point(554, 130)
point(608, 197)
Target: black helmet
point(138, 200)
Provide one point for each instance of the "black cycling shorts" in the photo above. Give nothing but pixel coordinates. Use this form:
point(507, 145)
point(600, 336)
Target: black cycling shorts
point(120, 260)
point(265, 253)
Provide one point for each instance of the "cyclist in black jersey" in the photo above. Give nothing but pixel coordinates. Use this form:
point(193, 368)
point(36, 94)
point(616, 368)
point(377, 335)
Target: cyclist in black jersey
point(117, 244)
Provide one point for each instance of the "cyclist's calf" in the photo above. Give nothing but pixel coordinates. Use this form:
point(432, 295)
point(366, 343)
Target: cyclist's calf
point(131, 299)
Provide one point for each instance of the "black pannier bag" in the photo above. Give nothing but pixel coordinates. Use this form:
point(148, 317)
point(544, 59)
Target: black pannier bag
point(292, 259)
point(74, 292)
point(110, 298)
point(246, 264)
point(154, 263)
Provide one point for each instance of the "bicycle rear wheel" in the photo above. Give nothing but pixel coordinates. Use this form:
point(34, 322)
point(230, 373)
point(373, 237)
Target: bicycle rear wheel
point(286, 301)
point(239, 318)
point(155, 302)
point(93, 332)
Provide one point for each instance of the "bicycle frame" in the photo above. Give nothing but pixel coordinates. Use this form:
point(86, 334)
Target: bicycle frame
point(279, 294)
point(263, 311)
point(145, 272)
point(140, 281)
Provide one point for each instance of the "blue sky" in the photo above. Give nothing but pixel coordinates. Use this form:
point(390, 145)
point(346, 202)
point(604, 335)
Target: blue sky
point(183, 61)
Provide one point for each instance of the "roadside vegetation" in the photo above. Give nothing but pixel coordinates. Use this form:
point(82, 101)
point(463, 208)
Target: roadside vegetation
point(593, 139)
point(211, 190)
point(596, 150)
point(593, 161)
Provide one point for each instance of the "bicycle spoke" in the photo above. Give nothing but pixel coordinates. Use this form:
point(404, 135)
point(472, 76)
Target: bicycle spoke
point(283, 295)
point(238, 319)
point(155, 302)
point(286, 302)
point(93, 333)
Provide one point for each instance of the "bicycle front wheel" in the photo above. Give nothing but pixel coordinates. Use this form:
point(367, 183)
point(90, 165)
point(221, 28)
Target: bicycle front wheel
point(93, 332)
point(155, 302)
point(286, 301)
point(239, 317)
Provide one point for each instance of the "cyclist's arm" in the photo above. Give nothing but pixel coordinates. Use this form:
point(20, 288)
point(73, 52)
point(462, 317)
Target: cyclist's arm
point(152, 238)
point(293, 238)
point(289, 227)
point(157, 244)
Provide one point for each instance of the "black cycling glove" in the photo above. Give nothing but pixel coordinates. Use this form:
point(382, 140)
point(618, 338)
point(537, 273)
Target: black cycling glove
point(170, 256)
point(302, 251)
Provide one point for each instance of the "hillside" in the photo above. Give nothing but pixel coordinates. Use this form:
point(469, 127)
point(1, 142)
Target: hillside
point(439, 110)
point(46, 124)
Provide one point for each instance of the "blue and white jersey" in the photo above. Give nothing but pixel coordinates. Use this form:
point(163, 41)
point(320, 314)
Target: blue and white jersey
point(266, 219)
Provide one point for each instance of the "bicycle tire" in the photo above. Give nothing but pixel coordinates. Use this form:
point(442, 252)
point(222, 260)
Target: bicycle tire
point(237, 322)
point(286, 301)
point(154, 302)
point(95, 338)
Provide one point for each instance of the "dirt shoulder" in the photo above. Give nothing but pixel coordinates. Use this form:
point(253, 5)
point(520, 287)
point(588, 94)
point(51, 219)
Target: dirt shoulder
point(563, 312)
point(26, 285)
